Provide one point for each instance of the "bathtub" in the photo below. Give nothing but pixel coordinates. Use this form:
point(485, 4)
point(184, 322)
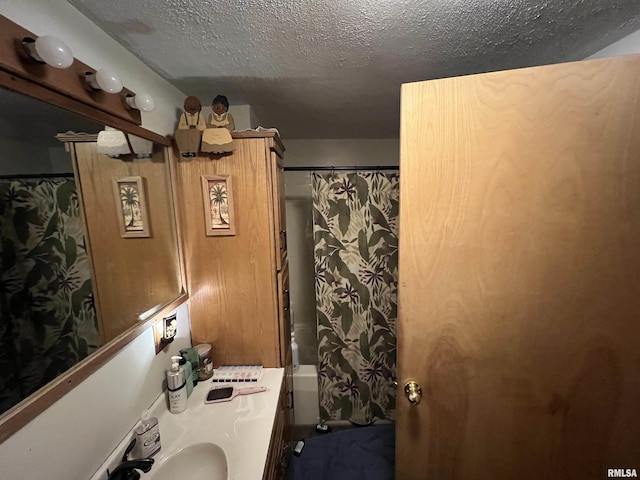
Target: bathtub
point(305, 395)
point(306, 401)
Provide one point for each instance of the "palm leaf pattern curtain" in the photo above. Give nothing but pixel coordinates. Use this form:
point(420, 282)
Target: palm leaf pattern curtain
point(355, 228)
point(48, 321)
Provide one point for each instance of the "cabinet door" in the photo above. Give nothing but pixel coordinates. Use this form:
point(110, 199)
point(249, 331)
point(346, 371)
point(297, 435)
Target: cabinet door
point(276, 460)
point(285, 349)
point(277, 175)
point(284, 315)
point(289, 417)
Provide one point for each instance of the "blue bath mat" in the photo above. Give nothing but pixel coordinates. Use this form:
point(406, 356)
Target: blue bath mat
point(353, 454)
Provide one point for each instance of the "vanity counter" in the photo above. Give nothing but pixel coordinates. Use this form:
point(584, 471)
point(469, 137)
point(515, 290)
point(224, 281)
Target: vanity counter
point(242, 427)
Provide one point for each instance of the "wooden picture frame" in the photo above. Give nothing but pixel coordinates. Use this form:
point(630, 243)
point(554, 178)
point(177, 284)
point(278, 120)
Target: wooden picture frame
point(131, 204)
point(217, 194)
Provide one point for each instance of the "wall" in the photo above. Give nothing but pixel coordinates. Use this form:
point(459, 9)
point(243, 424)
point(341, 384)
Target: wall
point(627, 46)
point(241, 116)
point(60, 159)
point(76, 434)
point(21, 157)
point(73, 437)
point(347, 152)
point(306, 153)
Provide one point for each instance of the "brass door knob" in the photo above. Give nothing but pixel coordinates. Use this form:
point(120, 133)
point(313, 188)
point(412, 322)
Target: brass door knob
point(413, 391)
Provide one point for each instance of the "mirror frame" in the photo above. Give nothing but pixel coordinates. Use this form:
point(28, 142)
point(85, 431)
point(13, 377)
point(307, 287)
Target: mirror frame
point(64, 89)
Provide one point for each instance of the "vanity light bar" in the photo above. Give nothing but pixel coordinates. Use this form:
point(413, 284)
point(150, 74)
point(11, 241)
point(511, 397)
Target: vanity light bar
point(52, 51)
point(19, 58)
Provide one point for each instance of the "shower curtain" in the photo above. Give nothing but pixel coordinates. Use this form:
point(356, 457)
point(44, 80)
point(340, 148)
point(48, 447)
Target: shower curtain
point(48, 321)
point(355, 217)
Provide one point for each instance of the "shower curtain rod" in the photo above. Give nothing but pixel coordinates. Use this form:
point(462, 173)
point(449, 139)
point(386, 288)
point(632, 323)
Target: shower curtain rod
point(341, 168)
point(35, 175)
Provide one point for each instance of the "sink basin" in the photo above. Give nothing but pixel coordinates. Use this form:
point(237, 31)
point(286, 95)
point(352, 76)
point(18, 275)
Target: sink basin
point(201, 461)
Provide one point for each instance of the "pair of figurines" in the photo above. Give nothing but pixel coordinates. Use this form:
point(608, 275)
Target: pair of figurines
point(194, 134)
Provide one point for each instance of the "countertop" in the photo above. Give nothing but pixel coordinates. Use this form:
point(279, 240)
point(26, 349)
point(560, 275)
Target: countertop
point(241, 427)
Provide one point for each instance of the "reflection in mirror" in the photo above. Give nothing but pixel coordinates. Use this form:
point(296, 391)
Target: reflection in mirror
point(68, 287)
point(47, 319)
point(131, 233)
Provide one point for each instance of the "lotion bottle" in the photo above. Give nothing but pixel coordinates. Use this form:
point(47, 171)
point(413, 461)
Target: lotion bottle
point(176, 386)
point(295, 354)
point(147, 436)
point(188, 374)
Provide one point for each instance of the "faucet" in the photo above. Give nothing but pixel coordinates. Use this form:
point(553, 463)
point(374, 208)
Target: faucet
point(127, 468)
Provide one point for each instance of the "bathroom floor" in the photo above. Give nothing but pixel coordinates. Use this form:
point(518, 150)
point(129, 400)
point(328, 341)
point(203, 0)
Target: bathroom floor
point(351, 453)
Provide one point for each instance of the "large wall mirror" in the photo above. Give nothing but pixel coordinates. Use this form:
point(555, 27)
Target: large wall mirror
point(70, 288)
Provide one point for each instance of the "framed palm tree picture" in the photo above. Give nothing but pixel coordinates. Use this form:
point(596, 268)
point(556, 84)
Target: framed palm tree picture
point(132, 207)
point(218, 205)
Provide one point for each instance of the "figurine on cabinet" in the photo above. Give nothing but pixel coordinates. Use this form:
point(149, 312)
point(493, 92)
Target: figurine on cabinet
point(217, 136)
point(190, 128)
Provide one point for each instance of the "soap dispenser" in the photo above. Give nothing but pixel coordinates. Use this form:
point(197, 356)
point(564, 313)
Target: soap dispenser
point(147, 436)
point(176, 386)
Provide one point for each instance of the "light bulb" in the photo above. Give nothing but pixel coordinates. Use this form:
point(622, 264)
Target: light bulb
point(104, 79)
point(50, 50)
point(141, 101)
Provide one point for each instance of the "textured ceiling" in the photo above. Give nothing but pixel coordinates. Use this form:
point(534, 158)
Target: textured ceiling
point(333, 68)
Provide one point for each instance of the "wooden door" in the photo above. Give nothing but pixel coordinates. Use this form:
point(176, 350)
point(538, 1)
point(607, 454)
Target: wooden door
point(279, 207)
point(519, 271)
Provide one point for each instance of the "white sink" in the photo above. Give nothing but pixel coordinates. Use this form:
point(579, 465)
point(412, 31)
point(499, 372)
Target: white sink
point(201, 461)
point(228, 440)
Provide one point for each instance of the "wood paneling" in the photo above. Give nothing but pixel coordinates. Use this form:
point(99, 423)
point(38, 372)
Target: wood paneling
point(130, 275)
point(231, 280)
point(520, 273)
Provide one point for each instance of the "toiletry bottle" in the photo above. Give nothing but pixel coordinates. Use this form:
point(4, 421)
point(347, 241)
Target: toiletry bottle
point(147, 436)
point(295, 355)
point(176, 386)
point(191, 354)
point(188, 374)
point(206, 365)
